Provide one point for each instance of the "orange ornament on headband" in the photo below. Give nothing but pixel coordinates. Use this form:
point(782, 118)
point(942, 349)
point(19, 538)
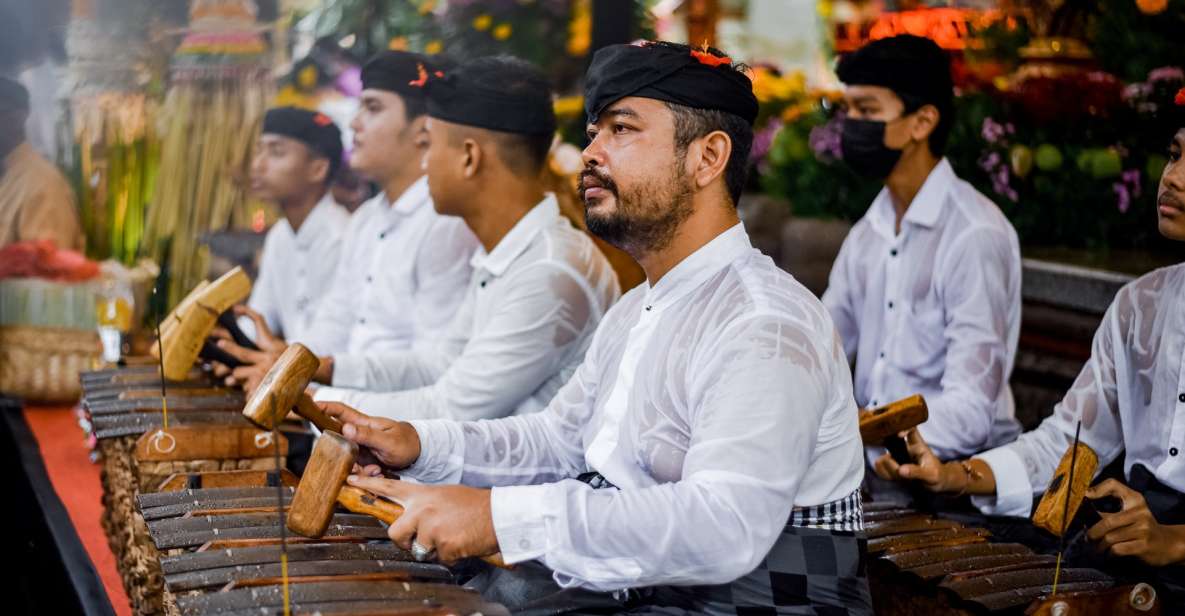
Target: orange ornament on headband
point(708, 59)
point(1180, 99)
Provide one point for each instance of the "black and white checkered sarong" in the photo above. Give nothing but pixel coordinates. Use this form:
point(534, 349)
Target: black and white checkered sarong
point(817, 566)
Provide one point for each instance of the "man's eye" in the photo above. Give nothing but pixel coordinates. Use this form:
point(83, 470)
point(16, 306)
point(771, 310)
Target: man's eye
point(1174, 154)
point(591, 134)
point(620, 128)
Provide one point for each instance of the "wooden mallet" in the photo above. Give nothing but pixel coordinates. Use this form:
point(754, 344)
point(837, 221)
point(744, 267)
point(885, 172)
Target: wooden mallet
point(186, 329)
point(323, 486)
point(881, 425)
point(283, 388)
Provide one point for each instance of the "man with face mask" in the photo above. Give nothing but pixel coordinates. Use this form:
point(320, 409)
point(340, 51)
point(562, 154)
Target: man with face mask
point(1129, 400)
point(926, 289)
point(705, 457)
point(296, 160)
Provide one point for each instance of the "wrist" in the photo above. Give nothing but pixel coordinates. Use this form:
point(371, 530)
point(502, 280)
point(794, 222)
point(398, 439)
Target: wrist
point(955, 478)
point(1178, 544)
point(414, 445)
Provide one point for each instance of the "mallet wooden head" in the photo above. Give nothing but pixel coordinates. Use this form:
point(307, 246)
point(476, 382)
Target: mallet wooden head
point(885, 421)
point(282, 389)
point(881, 425)
point(316, 495)
point(1052, 512)
point(183, 334)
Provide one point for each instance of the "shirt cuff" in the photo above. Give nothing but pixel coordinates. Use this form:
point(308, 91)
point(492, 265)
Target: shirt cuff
point(330, 394)
point(442, 452)
point(520, 516)
point(349, 371)
point(246, 325)
point(1014, 491)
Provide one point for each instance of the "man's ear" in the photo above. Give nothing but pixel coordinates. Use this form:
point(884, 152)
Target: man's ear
point(925, 120)
point(319, 170)
point(708, 157)
point(471, 160)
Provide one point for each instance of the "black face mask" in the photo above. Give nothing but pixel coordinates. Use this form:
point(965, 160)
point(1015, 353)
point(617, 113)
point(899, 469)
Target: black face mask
point(864, 149)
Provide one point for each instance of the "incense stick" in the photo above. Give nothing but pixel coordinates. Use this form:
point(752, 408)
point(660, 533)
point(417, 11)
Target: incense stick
point(160, 356)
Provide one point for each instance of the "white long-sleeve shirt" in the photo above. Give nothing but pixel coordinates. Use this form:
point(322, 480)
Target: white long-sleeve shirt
point(401, 278)
point(716, 400)
point(934, 310)
point(529, 314)
point(1130, 397)
point(295, 268)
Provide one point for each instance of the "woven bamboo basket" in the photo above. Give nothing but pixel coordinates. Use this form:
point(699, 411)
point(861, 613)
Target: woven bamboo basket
point(42, 363)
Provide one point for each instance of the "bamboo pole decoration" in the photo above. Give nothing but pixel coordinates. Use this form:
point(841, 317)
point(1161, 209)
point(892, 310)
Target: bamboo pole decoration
point(211, 118)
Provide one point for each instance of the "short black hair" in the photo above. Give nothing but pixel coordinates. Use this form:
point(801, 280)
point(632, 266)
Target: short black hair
point(523, 153)
point(692, 124)
point(916, 69)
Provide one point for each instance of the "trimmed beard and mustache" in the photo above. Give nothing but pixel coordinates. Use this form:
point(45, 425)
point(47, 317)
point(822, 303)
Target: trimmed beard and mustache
point(645, 218)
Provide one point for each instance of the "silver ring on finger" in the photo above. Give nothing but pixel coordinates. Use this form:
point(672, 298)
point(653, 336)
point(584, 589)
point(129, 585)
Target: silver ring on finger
point(421, 553)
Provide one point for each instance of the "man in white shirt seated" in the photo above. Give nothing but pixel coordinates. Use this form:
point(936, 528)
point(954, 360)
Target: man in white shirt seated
point(403, 268)
point(926, 289)
point(1130, 401)
point(705, 457)
point(540, 286)
point(296, 159)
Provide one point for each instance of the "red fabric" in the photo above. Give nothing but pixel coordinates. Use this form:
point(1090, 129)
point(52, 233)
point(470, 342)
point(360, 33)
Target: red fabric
point(76, 481)
point(41, 259)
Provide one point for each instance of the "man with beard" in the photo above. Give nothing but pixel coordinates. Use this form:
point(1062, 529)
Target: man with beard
point(926, 289)
point(540, 286)
point(709, 439)
point(296, 160)
point(403, 268)
point(1129, 399)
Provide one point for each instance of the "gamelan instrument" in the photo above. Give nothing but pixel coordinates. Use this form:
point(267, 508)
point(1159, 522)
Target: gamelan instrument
point(196, 495)
point(922, 564)
point(321, 488)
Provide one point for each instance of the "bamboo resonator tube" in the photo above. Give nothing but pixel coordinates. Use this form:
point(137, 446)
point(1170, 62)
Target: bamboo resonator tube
point(283, 388)
point(322, 487)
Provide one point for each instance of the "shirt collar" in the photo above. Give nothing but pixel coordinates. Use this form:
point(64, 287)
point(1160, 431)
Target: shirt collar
point(314, 224)
point(700, 265)
point(926, 206)
point(412, 198)
point(542, 216)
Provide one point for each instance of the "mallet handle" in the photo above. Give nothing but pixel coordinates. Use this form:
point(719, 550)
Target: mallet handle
point(305, 407)
point(358, 500)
